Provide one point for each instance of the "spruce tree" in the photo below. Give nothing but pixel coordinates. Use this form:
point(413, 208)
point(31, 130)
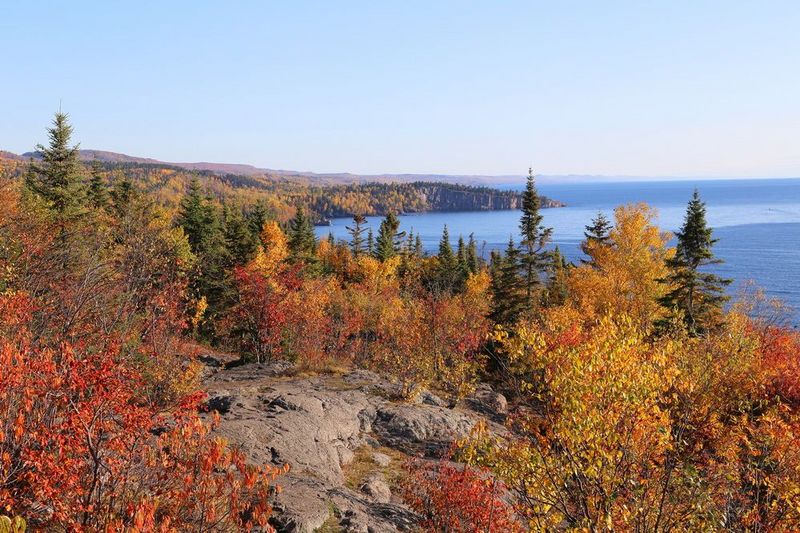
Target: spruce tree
point(356, 232)
point(533, 257)
point(697, 295)
point(473, 262)
point(509, 298)
point(598, 232)
point(370, 242)
point(389, 238)
point(461, 254)
point(202, 224)
point(301, 239)
point(97, 193)
point(419, 251)
point(242, 245)
point(194, 215)
point(408, 250)
point(257, 217)
point(57, 178)
point(122, 194)
point(446, 257)
point(557, 290)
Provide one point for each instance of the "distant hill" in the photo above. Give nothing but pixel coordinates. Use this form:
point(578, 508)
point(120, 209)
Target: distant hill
point(324, 196)
point(250, 170)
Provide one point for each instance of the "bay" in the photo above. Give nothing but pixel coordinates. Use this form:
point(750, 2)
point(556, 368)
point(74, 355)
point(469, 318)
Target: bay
point(757, 222)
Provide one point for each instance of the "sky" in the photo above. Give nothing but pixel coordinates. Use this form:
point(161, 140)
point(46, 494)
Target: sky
point(646, 88)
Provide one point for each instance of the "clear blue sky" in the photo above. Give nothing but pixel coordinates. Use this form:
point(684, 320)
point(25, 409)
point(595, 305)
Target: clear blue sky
point(692, 88)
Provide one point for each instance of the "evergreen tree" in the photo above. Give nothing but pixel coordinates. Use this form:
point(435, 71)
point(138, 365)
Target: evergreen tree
point(408, 250)
point(204, 230)
point(597, 233)
point(356, 232)
point(242, 245)
point(533, 257)
point(447, 275)
point(698, 295)
point(257, 217)
point(389, 238)
point(331, 239)
point(509, 298)
point(301, 239)
point(461, 253)
point(122, 194)
point(97, 193)
point(419, 251)
point(473, 262)
point(370, 242)
point(557, 290)
point(57, 178)
point(446, 257)
point(195, 216)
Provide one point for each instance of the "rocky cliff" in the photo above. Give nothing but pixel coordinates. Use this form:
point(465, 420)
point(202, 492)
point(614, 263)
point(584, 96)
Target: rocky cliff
point(447, 197)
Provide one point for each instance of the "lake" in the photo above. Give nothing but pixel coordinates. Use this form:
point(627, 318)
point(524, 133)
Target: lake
point(757, 222)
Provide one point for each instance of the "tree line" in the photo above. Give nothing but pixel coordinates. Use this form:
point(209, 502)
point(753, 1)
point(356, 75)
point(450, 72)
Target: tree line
point(638, 399)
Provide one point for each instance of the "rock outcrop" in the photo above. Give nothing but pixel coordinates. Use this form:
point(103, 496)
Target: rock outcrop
point(344, 439)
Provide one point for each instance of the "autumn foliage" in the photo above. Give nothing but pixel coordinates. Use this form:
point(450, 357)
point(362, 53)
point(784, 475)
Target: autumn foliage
point(82, 449)
point(458, 499)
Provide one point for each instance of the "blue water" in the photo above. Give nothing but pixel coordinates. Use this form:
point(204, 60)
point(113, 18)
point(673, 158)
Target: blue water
point(757, 223)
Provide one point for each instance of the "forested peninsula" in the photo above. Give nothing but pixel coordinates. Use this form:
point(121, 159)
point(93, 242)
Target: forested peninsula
point(280, 194)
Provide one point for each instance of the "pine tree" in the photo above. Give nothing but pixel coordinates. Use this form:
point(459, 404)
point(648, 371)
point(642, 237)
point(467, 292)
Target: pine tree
point(533, 257)
point(389, 238)
point(57, 179)
point(508, 291)
point(331, 239)
point(302, 241)
point(698, 295)
point(97, 193)
point(597, 233)
point(356, 232)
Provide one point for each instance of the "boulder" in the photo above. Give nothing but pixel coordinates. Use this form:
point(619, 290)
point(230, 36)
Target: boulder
point(376, 488)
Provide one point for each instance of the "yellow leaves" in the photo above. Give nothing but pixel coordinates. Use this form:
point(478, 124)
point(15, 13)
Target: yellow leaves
point(623, 277)
point(200, 309)
point(601, 422)
point(275, 248)
point(12, 525)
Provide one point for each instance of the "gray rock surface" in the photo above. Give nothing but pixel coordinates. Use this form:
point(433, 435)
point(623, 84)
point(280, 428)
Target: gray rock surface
point(487, 401)
point(376, 488)
point(320, 426)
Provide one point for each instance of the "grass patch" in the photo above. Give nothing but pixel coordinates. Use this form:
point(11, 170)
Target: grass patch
point(331, 525)
point(363, 465)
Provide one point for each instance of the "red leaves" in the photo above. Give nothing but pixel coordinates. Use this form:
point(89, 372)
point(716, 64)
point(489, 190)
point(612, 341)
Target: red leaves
point(780, 359)
point(458, 499)
point(78, 449)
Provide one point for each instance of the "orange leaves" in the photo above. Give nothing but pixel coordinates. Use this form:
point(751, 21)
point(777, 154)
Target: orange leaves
point(79, 452)
point(780, 350)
